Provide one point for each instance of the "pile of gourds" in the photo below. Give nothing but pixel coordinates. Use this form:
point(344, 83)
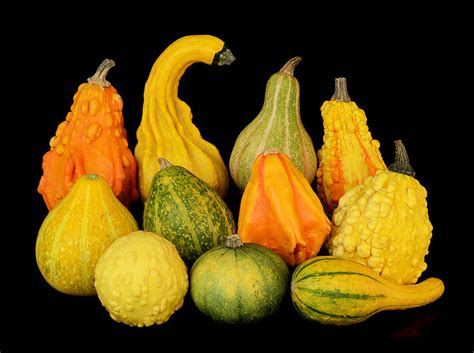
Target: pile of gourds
point(89, 243)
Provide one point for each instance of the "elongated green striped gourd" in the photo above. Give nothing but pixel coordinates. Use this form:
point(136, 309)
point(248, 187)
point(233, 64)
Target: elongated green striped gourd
point(342, 292)
point(77, 231)
point(187, 211)
point(278, 127)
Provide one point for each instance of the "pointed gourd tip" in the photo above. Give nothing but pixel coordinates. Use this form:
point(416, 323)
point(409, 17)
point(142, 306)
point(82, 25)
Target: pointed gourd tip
point(101, 73)
point(290, 65)
point(340, 90)
point(401, 163)
point(233, 241)
point(164, 163)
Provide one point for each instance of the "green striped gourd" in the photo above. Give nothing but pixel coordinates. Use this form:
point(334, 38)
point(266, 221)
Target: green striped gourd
point(278, 126)
point(187, 211)
point(77, 231)
point(342, 292)
point(238, 283)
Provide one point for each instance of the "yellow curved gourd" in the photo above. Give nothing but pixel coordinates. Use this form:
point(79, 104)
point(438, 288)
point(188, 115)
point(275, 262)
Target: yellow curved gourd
point(166, 129)
point(384, 223)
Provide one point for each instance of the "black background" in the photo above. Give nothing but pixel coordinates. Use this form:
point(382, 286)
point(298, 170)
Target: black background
point(396, 73)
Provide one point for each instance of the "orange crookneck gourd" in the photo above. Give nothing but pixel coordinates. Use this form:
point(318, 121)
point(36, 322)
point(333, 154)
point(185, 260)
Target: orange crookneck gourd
point(280, 210)
point(349, 154)
point(92, 139)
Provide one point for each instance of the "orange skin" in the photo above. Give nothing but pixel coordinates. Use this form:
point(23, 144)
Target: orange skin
point(91, 140)
point(280, 210)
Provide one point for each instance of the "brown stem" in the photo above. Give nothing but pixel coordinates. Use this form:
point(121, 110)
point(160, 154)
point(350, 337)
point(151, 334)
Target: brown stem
point(401, 164)
point(290, 65)
point(271, 150)
point(340, 92)
point(233, 241)
point(101, 73)
point(164, 163)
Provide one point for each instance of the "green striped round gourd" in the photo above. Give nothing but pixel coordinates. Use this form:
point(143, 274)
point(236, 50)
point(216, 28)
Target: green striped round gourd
point(187, 211)
point(238, 283)
point(342, 292)
point(278, 127)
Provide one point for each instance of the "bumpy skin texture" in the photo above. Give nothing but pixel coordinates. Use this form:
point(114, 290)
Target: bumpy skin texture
point(166, 129)
point(92, 139)
point(77, 231)
point(188, 212)
point(349, 154)
point(277, 126)
point(384, 224)
point(239, 286)
point(334, 291)
point(141, 280)
point(280, 210)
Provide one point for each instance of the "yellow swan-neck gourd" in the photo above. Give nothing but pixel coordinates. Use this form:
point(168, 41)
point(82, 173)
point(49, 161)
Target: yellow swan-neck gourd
point(166, 129)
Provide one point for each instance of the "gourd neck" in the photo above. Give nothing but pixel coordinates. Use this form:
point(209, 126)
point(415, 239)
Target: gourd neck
point(101, 73)
point(402, 163)
point(174, 61)
point(340, 91)
point(233, 242)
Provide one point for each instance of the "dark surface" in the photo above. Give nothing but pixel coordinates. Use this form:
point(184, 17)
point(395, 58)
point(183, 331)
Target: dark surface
point(390, 76)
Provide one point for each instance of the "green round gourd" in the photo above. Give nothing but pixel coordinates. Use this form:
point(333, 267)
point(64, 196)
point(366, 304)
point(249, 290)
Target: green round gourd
point(238, 283)
point(187, 211)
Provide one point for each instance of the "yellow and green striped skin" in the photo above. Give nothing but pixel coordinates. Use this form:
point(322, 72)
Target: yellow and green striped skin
point(77, 231)
point(188, 212)
point(335, 291)
point(239, 285)
point(277, 127)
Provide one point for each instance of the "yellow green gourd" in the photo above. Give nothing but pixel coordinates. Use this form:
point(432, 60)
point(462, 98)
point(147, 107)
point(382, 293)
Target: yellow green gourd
point(384, 224)
point(335, 291)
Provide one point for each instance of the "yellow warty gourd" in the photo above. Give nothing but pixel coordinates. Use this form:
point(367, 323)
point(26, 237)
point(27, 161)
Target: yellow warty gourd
point(141, 280)
point(384, 223)
point(166, 129)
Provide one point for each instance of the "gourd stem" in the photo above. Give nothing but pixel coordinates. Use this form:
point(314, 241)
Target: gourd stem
point(340, 92)
point(401, 164)
point(164, 163)
point(224, 57)
point(271, 150)
point(233, 241)
point(290, 65)
point(101, 73)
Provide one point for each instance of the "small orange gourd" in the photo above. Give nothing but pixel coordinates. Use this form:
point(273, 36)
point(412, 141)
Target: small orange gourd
point(280, 210)
point(92, 139)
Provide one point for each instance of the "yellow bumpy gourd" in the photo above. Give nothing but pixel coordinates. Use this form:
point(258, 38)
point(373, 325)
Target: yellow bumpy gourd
point(384, 223)
point(141, 280)
point(166, 129)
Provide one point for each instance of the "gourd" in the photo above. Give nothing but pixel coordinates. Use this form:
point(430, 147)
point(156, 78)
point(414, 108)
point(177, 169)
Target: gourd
point(188, 212)
point(77, 231)
point(280, 210)
point(349, 154)
point(278, 126)
point(238, 283)
point(166, 129)
point(384, 223)
point(334, 291)
point(92, 139)
point(141, 280)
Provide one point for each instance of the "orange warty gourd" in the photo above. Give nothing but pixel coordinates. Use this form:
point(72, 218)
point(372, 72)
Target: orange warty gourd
point(92, 139)
point(349, 154)
point(280, 210)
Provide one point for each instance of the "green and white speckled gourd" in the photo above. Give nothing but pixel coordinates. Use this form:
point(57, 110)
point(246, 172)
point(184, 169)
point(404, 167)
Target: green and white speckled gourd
point(278, 126)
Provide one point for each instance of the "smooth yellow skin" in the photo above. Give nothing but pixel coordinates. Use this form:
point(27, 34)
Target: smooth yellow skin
point(77, 231)
point(141, 280)
point(166, 129)
point(384, 224)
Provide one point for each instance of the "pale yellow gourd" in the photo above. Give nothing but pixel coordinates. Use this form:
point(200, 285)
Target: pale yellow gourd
point(77, 231)
point(141, 280)
point(384, 224)
point(166, 129)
